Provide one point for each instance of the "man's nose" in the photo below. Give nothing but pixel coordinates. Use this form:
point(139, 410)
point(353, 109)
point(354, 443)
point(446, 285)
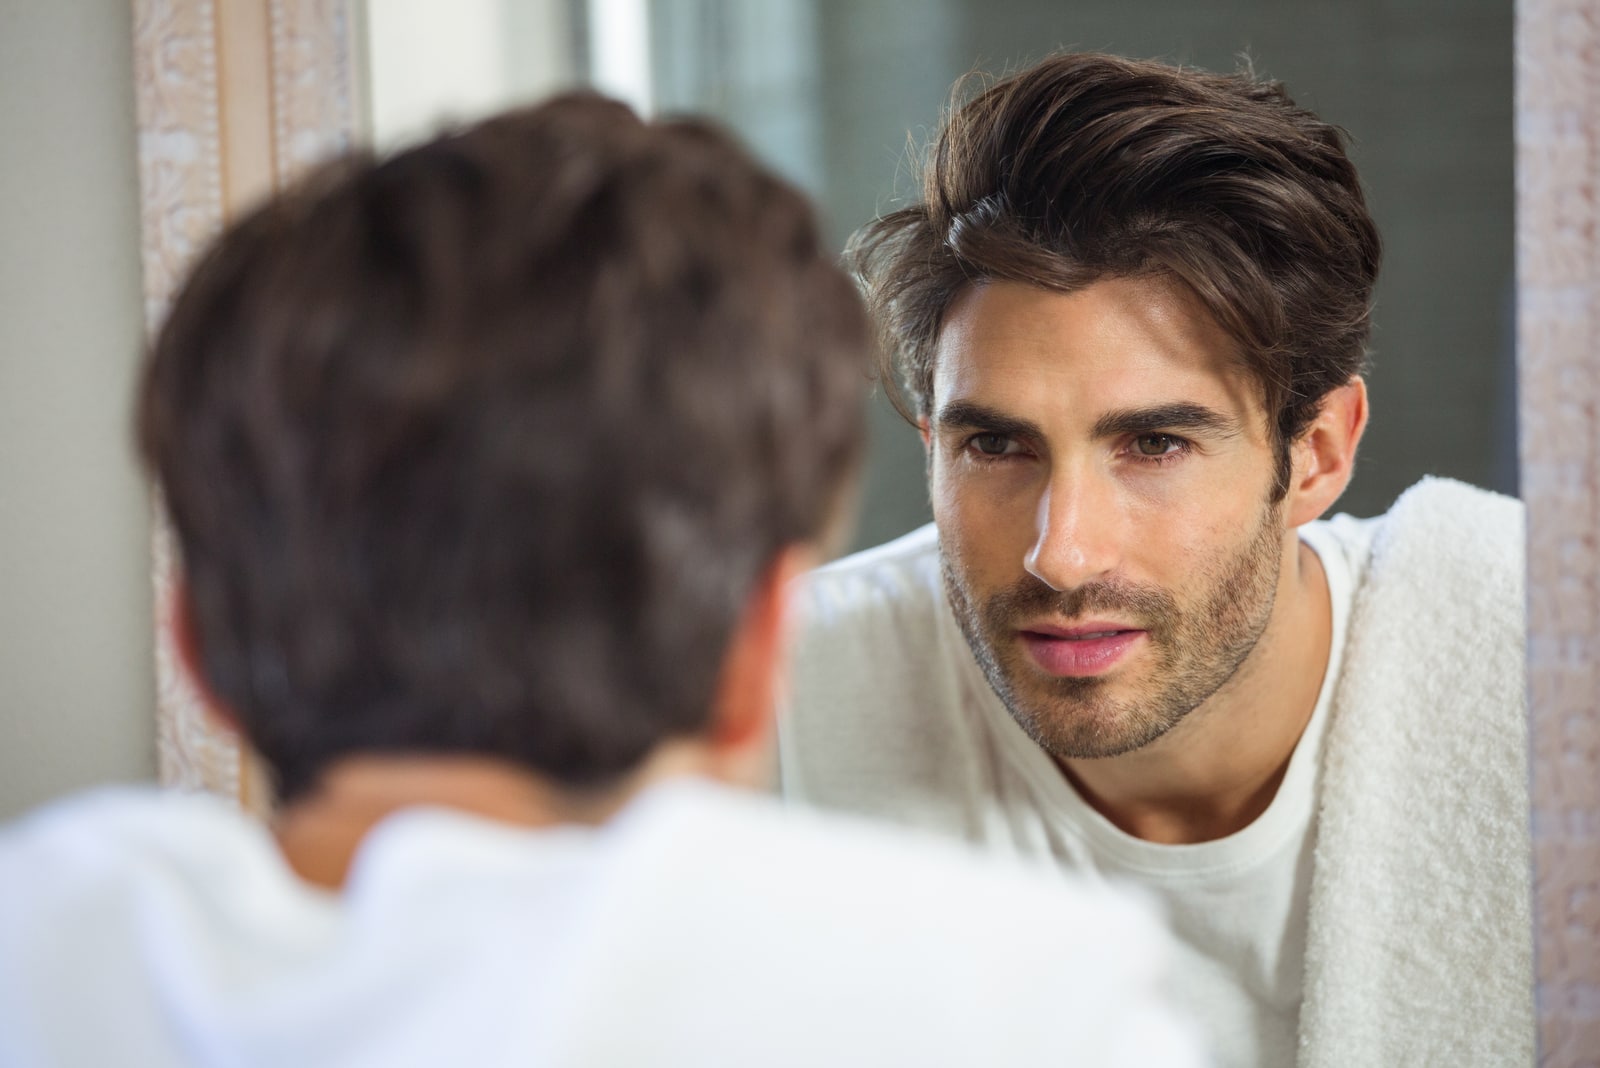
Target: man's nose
point(1075, 532)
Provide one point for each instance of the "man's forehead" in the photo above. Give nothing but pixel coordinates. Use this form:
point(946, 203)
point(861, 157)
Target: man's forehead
point(1116, 344)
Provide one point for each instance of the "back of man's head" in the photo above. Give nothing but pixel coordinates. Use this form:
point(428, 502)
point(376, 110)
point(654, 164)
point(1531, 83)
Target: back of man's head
point(1088, 166)
point(480, 449)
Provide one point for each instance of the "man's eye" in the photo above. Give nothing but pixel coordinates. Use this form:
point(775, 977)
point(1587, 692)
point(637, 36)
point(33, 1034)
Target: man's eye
point(1156, 444)
point(991, 444)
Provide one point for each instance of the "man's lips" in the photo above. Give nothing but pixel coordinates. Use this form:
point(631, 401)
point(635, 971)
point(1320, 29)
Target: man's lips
point(1081, 650)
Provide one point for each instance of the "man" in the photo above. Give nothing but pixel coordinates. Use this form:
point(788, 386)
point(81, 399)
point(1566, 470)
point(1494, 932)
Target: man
point(491, 464)
point(1130, 314)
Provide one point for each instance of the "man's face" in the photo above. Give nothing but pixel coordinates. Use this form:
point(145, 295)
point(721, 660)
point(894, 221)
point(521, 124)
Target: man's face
point(1101, 471)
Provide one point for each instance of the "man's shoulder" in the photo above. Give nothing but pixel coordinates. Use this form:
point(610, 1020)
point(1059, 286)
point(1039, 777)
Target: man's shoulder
point(87, 880)
point(872, 620)
point(855, 920)
point(1437, 530)
point(879, 689)
point(896, 576)
point(90, 860)
point(858, 864)
point(847, 870)
point(113, 829)
point(1460, 526)
point(1444, 541)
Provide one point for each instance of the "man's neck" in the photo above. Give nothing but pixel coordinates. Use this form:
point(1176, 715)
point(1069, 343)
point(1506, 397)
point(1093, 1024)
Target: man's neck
point(320, 834)
point(1218, 770)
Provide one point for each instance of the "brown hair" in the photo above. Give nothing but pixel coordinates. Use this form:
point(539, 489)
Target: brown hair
point(482, 448)
point(1090, 166)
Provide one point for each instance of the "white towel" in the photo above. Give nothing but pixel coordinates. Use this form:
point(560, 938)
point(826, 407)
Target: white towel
point(1419, 950)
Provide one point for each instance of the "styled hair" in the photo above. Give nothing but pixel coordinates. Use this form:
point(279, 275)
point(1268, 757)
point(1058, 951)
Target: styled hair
point(483, 448)
point(1086, 167)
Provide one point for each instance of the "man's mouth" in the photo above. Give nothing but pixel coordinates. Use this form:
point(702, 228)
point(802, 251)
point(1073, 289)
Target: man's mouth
point(1082, 650)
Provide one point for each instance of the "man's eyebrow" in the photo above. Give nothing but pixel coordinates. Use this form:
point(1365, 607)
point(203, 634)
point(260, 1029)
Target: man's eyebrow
point(970, 416)
point(1186, 417)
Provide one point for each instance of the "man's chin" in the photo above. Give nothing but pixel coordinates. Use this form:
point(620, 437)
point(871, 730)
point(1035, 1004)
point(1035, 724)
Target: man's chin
point(1087, 723)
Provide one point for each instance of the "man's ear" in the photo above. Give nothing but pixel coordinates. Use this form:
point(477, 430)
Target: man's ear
point(922, 428)
point(753, 672)
point(1324, 457)
point(185, 637)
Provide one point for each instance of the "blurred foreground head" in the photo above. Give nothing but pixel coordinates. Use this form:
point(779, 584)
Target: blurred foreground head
point(481, 449)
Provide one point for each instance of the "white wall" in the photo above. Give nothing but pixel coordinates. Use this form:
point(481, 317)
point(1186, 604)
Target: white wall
point(76, 690)
point(429, 63)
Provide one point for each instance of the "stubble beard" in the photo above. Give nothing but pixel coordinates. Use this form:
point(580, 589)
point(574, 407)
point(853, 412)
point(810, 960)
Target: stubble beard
point(1194, 650)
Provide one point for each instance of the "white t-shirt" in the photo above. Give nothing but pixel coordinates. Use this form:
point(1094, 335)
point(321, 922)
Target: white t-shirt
point(700, 927)
point(891, 716)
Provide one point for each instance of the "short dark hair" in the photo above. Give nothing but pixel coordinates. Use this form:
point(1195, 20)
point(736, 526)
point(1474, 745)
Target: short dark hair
point(482, 448)
point(1091, 166)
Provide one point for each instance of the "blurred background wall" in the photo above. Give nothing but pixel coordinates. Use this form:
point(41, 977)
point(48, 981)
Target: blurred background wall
point(76, 691)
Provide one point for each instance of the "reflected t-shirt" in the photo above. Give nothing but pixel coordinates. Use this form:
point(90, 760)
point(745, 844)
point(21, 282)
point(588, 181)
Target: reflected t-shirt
point(938, 750)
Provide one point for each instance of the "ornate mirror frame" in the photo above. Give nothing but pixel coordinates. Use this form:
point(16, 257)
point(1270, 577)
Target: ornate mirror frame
point(235, 97)
point(1558, 372)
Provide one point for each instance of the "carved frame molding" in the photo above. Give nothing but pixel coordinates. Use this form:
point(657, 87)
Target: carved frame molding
point(1558, 360)
point(234, 98)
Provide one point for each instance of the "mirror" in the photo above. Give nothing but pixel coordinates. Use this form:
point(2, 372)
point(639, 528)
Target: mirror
point(1424, 87)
